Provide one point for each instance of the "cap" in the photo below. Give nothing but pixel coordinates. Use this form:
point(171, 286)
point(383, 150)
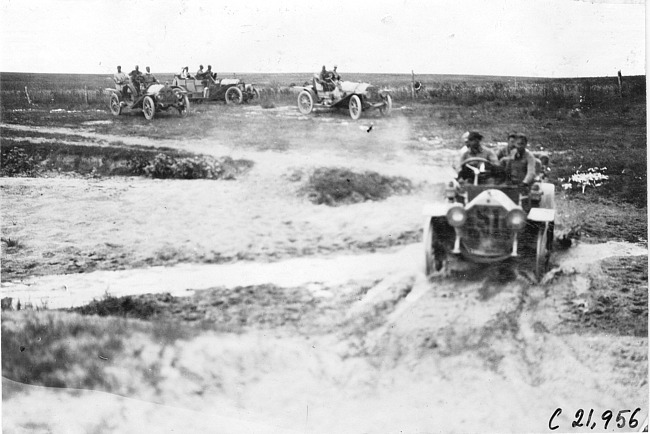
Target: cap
point(473, 135)
point(465, 136)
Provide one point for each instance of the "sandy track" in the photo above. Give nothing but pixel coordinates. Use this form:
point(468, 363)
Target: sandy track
point(406, 355)
point(71, 290)
point(378, 347)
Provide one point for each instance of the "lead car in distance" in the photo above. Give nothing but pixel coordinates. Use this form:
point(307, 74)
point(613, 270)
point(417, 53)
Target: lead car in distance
point(483, 220)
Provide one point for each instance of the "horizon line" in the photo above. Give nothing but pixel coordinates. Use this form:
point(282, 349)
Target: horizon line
point(374, 73)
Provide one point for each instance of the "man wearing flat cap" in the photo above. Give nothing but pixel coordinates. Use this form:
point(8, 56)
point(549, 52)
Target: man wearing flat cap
point(476, 150)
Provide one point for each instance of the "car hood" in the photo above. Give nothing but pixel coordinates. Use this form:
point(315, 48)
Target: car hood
point(154, 89)
point(354, 87)
point(229, 81)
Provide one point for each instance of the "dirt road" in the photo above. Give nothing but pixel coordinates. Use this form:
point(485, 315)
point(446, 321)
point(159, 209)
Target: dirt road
point(337, 329)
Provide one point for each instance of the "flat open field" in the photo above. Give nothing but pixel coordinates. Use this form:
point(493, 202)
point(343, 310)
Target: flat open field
point(238, 304)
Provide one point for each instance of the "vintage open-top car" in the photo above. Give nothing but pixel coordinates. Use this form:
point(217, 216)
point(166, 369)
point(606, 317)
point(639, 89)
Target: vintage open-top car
point(356, 97)
point(230, 90)
point(484, 220)
point(156, 97)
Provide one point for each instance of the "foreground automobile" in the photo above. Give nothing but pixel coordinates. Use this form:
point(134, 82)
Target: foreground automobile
point(356, 97)
point(230, 90)
point(483, 220)
point(155, 98)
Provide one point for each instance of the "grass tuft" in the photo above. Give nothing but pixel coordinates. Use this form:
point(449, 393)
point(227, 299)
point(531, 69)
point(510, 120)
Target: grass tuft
point(27, 159)
point(338, 186)
point(127, 307)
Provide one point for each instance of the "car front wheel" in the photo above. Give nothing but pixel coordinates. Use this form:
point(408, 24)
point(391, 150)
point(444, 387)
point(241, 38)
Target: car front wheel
point(116, 107)
point(387, 107)
point(435, 255)
point(234, 96)
point(305, 102)
point(184, 106)
point(148, 108)
point(355, 107)
point(543, 249)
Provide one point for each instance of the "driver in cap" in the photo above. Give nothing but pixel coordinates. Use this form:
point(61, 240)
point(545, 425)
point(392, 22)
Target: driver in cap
point(476, 150)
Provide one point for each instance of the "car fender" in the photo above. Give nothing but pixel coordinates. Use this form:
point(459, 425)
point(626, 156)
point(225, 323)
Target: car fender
point(541, 215)
point(436, 209)
point(548, 195)
point(308, 89)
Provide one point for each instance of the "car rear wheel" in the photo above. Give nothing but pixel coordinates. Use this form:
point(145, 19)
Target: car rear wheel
point(116, 107)
point(387, 107)
point(355, 107)
point(234, 95)
point(148, 108)
point(305, 102)
point(544, 246)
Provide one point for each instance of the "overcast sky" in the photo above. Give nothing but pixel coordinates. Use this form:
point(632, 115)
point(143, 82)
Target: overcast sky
point(547, 38)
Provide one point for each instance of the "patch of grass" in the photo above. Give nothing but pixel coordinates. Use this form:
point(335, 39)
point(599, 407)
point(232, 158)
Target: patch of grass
point(200, 167)
point(34, 349)
point(24, 158)
point(11, 243)
point(18, 162)
point(267, 103)
point(339, 186)
point(127, 307)
point(59, 349)
point(617, 301)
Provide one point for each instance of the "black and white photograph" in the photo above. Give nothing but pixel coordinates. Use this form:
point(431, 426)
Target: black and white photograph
point(284, 216)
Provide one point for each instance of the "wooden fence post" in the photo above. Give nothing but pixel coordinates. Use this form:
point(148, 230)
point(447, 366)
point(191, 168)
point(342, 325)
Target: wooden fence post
point(86, 93)
point(29, 100)
point(412, 84)
point(620, 83)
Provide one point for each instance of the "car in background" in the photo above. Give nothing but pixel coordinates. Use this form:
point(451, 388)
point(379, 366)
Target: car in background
point(356, 97)
point(230, 90)
point(154, 98)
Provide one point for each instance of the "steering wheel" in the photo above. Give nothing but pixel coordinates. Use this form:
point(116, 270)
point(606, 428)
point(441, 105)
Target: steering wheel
point(476, 166)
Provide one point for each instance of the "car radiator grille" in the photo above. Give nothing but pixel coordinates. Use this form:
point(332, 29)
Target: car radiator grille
point(485, 231)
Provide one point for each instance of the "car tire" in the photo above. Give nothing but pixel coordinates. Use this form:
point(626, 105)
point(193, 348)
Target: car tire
point(114, 104)
point(387, 107)
point(234, 95)
point(543, 249)
point(148, 108)
point(433, 263)
point(256, 95)
point(184, 109)
point(355, 107)
point(305, 102)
